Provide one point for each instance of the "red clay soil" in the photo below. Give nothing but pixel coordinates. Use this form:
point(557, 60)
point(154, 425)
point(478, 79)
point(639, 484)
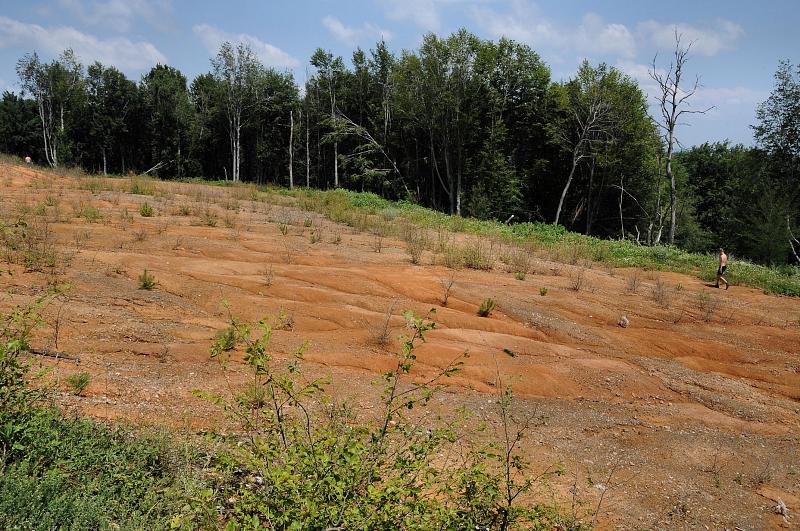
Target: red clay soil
point(695, 406)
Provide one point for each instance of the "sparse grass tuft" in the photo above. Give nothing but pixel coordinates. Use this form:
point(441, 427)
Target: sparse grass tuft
point(633, 282)
point(475, 255)
point(707, 304)
point(447, 286)
point(415, 245)
point(486, 307)
point(381, 331)
point(208, 217)
point(661, 294)
point(88, 212)
point(79, 381)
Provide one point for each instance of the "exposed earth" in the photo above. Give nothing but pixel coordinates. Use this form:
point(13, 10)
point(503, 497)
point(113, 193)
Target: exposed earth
point(694, 406)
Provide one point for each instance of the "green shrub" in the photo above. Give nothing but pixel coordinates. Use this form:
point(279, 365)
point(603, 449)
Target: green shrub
point(336, 472)
point(147, 280)
point(486, 307)
point(88, 212)
point(543, 291)
point(62, 472)
point(146, 211)
point(79, 381)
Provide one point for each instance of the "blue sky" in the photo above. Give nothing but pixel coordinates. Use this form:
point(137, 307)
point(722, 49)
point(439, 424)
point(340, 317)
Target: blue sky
point(737, 43)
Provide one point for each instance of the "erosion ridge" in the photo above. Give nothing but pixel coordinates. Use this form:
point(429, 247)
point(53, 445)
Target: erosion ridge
point(700, 377)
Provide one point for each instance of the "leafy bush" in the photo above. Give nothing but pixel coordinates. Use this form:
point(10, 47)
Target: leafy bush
point(296, 467)
point(62, 472)
point(543, 291)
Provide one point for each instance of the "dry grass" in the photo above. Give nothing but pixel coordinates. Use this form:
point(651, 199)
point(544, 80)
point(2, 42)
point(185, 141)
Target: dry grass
point(577, 279)
point(380, 332)
point(661, 294)
point(447, 286)
point(633, 282)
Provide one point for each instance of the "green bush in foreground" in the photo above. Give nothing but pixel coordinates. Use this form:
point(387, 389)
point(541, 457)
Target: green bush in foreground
point(306, 462)
point(300, 460)
point(58, 472)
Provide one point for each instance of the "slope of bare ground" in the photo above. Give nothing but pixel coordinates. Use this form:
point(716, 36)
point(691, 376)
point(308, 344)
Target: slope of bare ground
point(693, 410)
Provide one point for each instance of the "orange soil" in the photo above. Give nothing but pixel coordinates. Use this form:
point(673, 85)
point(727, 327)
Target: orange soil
point(700, 417)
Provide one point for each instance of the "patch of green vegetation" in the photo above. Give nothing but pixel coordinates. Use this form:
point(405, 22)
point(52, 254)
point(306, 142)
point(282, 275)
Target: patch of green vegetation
point(88, 212)
point(146, 211)
point(281, 468)
point(147, 280)
point(62, 472)
point(486, 307)
point(345, 207)
point(79, 381)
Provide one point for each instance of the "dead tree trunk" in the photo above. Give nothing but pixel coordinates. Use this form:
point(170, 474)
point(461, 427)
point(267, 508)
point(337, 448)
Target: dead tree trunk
point(291, 151)
point(673, 104)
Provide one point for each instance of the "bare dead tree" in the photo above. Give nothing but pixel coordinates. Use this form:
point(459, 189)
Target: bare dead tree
point(793, 240)
point(346, 126)
point(673, 104)
point(308, 154)
point(291, 150)
point(589, 124)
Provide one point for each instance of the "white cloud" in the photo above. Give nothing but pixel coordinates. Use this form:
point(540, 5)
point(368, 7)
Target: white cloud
point(706, 41)
point(730, 96)
point(270, 55)
point(524, 22)
point(120, 52)
point(121, 15)
point(351, 35)
point(595, 36)
point(423, 13)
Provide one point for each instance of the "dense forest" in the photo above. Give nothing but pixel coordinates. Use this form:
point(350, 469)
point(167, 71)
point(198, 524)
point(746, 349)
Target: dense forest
point(464, 125)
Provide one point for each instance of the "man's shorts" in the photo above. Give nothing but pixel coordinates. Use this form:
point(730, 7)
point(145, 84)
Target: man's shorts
point(721, 270)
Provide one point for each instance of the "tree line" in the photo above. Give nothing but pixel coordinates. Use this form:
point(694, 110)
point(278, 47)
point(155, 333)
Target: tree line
point(465, 125)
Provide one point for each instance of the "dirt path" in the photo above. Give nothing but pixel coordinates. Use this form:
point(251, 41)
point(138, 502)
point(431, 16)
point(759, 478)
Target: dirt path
point(696, 405)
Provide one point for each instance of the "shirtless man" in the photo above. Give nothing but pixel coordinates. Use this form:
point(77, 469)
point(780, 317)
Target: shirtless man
point(723, 264)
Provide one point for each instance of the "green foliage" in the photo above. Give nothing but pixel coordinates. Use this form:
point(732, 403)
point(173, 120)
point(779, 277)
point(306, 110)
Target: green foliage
point(68, 473)
point(338, 204)
point(88, 212)
point(543, 291)
point(147, 281)
point(146, 211)
point(486, 307)
point(79, 381)
point(305, 461)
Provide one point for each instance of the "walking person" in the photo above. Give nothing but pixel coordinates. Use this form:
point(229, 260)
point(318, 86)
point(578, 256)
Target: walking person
point(723, 265)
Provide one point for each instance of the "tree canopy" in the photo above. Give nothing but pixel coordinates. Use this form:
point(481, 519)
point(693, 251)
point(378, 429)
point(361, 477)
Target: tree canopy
point(465, 125)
